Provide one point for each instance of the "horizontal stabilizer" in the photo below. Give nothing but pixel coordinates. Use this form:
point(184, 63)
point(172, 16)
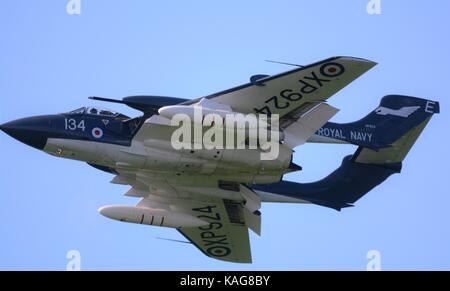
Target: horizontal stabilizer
point(393, 154)
point(300, 131)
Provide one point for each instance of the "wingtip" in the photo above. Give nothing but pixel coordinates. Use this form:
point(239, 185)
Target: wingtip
point(360, 60)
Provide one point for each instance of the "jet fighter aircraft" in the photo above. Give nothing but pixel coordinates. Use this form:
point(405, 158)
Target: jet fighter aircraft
point(213, 196)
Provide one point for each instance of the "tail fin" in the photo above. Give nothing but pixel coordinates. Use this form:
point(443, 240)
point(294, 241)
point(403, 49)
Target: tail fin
point(367, 168)
point(395, 116)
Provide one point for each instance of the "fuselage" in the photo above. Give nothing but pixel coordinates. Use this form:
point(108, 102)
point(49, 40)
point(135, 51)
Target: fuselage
point(114, 142)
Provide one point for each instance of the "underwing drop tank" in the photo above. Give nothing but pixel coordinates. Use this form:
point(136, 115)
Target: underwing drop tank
point(148, 216)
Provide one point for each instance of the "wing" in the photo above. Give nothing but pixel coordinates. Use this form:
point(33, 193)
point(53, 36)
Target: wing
point(225, 237)
point(291, 94)
point(295, 91)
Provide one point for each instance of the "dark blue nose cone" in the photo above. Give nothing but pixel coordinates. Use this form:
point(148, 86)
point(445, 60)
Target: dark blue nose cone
point(31, 131)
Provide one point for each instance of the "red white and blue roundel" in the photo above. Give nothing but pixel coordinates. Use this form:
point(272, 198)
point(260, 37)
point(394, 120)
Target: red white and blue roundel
point(332, 69)
point(97, 132)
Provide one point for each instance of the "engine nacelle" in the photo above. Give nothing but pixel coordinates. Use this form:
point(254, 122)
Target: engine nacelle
point(148, 216)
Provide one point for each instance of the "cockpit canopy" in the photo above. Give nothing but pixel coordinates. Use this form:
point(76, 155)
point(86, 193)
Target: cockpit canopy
point(98, 111)
point(94, 111)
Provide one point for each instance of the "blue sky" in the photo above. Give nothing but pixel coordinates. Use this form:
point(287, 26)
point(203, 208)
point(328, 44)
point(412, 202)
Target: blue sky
point(51, 62)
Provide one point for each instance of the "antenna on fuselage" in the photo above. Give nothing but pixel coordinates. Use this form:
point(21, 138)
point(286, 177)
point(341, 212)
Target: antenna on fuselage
point(284, 63)
point(174, 240)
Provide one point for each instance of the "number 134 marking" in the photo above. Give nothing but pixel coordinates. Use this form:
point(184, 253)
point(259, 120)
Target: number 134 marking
point(71, 124)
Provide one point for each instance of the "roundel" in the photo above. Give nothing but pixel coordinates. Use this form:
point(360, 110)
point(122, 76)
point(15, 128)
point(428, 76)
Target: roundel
point(218, 251)
point(332, 69)
point(97, 132)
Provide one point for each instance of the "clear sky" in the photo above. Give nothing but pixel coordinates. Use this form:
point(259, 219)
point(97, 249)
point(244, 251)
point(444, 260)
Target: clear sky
point(51, 62)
